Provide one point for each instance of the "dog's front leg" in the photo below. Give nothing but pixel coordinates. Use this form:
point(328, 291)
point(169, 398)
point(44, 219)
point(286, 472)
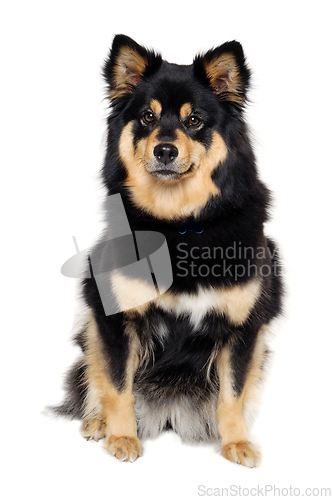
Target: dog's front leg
point(240, 371)
point(111, 359)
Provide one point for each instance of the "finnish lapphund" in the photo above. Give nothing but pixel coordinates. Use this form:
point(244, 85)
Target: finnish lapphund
point(189, 356)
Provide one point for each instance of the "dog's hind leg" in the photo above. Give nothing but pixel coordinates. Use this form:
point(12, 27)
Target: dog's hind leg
point(109, 405)
point(240, 375)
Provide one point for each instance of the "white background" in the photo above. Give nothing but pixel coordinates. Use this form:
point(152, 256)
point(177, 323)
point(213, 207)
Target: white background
point(52, 144)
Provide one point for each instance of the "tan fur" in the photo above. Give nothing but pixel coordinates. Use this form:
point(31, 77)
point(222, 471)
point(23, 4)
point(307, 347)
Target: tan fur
point(185, 110)
point(156, 107)
point(253, 385)
point(224, 74)
point(132, 293)
point(234, 302)
point(104, 403)
point(129, 69)
point(172, 200)
point(237, 302)
point(230, 410)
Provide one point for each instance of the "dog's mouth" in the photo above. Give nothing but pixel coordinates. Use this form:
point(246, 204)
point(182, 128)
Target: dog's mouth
point(165, 174)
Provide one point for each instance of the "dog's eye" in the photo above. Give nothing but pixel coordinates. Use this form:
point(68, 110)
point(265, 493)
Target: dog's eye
point(148, 118)
point(194, 121)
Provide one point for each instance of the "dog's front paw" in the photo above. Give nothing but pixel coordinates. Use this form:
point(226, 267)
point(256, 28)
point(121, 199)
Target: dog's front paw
point(244, 453)
point(93, 428)
point(126, 449)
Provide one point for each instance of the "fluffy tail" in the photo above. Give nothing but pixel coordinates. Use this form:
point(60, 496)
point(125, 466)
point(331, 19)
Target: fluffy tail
point(75, 386)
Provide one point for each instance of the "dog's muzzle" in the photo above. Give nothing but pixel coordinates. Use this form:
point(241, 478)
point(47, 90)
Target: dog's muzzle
point(166, 165)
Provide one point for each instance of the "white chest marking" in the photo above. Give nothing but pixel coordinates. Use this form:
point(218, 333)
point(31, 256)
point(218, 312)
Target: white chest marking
point(236, 302)
point(194, 305)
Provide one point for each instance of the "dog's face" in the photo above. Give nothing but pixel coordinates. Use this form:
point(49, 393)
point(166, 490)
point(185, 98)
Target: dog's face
point(173, 122)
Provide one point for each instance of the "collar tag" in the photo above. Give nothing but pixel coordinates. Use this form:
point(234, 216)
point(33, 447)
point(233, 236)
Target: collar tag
point(197, 228)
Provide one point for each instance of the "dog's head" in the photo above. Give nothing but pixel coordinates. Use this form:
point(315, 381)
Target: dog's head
point(176, 132)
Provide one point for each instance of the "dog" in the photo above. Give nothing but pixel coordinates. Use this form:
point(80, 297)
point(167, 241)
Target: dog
point(190, 358)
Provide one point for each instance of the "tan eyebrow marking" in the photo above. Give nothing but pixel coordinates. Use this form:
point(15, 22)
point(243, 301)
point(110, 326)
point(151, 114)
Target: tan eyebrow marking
point(186, 110)
point(156, 107)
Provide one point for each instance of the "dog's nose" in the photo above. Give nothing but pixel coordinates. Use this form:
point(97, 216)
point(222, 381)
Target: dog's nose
point(165, 152)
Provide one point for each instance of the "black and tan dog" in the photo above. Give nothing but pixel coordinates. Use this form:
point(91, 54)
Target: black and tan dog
point(193, 358)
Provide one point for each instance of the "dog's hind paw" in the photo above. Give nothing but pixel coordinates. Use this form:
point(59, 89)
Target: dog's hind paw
point(244, 453)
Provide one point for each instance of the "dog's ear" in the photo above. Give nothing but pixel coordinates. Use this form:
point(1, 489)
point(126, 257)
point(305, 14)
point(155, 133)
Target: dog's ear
point(224, 69)
point(128, 63)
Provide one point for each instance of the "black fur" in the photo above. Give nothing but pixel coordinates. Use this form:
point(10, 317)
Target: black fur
point(236, 218)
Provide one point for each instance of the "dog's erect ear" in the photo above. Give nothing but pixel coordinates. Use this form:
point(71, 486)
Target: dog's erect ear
point(224, 69)
point(128, 63)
